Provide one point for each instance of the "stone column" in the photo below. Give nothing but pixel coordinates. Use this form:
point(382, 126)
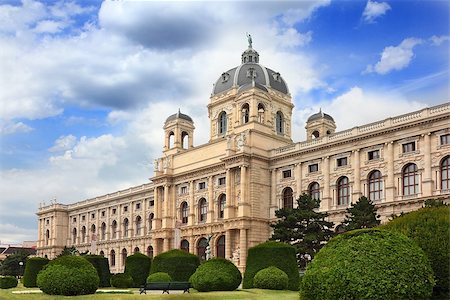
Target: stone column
point(273, 206)
point(156, 217)
point(191, 203)
point(298, 179)
point(229, 205)
point(244, 205)
point(243, 247)
point(427, 180)
point(210, 215)
point(326, 203)
point(357, 186)
point(390, 182)
point(228, 250)
point(166, 244)
point(166, 214)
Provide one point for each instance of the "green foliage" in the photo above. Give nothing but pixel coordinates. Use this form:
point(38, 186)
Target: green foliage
point(217, 274)
point(434, 203)
point(8, 282)
point(138, 267)
point(159, 277)
point(101, 264)
point(121, 280)
point(361, 214)
point(430, 229)
point(69, 276)
point(68, 251)
point(303, 227)
point(32, 268)
point(268, 254)
point(10, 265)
point(368, 264)
point(179, 264)
point(271, 278)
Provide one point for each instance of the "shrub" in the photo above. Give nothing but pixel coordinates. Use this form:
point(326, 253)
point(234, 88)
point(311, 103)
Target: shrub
point(368, 264)
point(121, 280)
point(271, 278)
point(430, 229)
point(217, 274)
point(179, 264)
point(69, 276)
point(138, 267)
point(159, 277)
point(8, 282)
point(268, 254)
point(32, 268)
point(101, 264)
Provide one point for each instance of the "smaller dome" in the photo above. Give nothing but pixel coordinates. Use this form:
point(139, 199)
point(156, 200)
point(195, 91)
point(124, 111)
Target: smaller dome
point(320, 115)
point(179, 115)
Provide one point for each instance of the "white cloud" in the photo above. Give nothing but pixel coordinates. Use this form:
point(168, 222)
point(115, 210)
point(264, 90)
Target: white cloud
point(13, 234)
point(14, 127)
point(64, 143)
point(395, 57)
point(374, 10)
point(438, 40)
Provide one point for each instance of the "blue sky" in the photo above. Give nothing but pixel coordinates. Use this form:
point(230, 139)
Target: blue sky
point(85, 86)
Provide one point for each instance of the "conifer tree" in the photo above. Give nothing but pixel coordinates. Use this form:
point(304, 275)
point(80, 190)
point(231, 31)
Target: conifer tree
point(361, 214)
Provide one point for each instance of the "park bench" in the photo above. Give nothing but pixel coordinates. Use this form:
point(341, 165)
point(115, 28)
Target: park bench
point(166, 286)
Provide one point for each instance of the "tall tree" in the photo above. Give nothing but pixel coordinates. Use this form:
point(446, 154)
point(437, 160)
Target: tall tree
point(361, 214)
point(14, 264)
point(303, 227)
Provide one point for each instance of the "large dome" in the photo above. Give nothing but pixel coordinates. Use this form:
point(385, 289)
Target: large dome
point(250, 74)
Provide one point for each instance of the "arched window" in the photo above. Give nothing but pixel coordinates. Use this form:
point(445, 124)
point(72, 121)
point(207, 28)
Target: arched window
point(375, 186)
point(171, 139)
point(124, 256)
point(114, 229)
point(245, 113)
point(343, 191)
point(410, 180)
point(279, 123)
point(150, 251)
point(261, 112)
point(202, 210)
point(315, 134)
point(136, 250)
point(184, 245)
point(150, 221)
point(138, 225)
point(93, 228)
point(83, 234)
point(288, 198)
point(112, 255)
point(201, 248)
point(103, 231)
point(220, 248)
point(185, 140)
point(184, 212)
point(47, 237)
point(102, 253)
point(222, 123)
point(74, 236)
point(222, 202)
point(314, 190)
point(445, 173)
point(125, 227)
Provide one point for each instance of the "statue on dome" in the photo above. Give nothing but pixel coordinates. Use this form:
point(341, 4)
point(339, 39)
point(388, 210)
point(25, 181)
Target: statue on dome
point(249, 38)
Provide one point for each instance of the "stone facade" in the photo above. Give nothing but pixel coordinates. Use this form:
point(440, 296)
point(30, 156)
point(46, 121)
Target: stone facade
point(228, 189)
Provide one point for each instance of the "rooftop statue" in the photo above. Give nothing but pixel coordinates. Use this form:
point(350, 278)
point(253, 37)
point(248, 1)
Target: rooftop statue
point(249, 38)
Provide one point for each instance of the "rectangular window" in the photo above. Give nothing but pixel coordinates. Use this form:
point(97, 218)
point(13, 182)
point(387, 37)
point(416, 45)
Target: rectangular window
point(83, 218)
point(202, 185)
point(152, 203)
point(183, 190)
point(74, 220)
point(409, 147)
point(114, 211)
point(138, 206)
point(48, 221)
point(125, 208)
point(103, 213)
point(375, 154)
point(341, 161)
point(445, 139)
point(287, 174)
point(92, 216)
point(313, 168)
point(222, 181)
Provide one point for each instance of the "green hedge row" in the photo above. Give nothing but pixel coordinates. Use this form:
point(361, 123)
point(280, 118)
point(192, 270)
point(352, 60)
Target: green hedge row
point(138, 267)
point(179, 264)
point(32, 268)
point(7, 282)
point(101, 264)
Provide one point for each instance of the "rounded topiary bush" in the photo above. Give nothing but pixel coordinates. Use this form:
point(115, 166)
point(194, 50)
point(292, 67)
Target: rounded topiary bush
point(159, 277)
point(8, 282)
point(179, 264)
point(69, 276)
point(368, 264)
point(121, 280)
point(217, 274)
point(32, 268)
point(430, 229)
point(280, 255)
point(271, 278)
point(138, 267)
point(101, 264)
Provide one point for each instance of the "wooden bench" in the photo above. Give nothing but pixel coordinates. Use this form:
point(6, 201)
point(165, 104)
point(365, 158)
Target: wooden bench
point(166, 286)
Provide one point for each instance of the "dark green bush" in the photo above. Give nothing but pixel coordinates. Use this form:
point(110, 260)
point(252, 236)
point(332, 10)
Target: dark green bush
point(430, 229)
point(121, 280)
point(179, 264)
point(271, 278)
point(69, 276)
point(368, 264)
point(8, 282)
point(159, 277)
point(32, 268)
point(101, 264)
point(280, 255)
point(138, 267)
point(217, 274)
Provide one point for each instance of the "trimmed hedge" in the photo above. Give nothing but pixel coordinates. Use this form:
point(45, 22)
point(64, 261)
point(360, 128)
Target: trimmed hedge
point(271, 278)
point(121, 280)
point(179, 264)
point(368, 264)
point(8, 282)
point(32, 268)
point(101, 264)
point(159, 277)
point(217, 274)
point(280, 255)
point(138, 267)
point(430, 229)
point(69, 276)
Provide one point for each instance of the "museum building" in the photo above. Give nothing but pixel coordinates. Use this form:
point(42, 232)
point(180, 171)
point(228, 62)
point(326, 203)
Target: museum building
point(225, 193)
